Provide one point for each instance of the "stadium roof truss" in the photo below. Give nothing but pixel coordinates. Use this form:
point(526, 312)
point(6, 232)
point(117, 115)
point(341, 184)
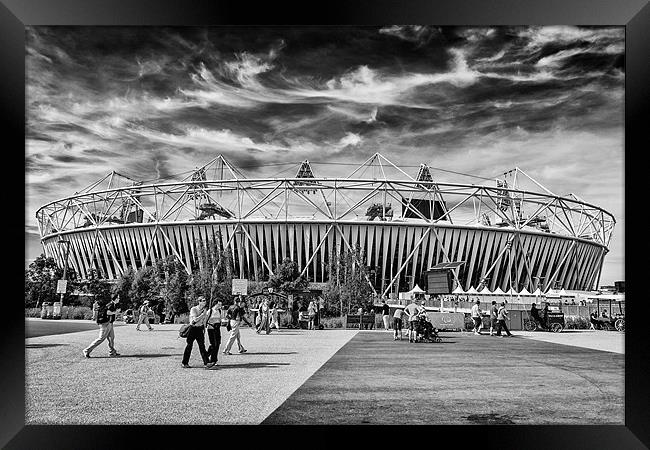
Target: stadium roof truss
point(220, 192)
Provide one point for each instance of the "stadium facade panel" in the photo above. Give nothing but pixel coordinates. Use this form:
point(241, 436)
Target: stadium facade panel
point(505, 235)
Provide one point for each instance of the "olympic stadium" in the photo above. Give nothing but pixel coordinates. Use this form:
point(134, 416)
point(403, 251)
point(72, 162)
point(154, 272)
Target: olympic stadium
point(508, 233)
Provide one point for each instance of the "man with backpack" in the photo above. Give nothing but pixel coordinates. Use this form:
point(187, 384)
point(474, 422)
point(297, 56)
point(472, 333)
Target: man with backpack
point(104, 316)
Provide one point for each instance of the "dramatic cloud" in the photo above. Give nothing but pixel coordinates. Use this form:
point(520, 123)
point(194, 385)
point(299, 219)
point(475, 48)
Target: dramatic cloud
point(152, 103)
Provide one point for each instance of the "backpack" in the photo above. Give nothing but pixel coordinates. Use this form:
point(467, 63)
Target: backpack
point(100, 315)
point(184, 331)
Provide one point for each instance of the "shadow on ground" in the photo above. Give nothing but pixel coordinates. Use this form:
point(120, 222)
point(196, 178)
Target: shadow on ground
point(252, 365)
point(272, 353)
point(45, 345)
point(147, 355)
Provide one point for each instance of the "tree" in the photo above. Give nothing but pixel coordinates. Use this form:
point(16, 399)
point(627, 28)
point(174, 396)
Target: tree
point(99, 288)
point(286, 277)
point(173, 282)
point(145, 286)
point(123, 288)
point(348, 282)
point(212, 275)
point(41, 279)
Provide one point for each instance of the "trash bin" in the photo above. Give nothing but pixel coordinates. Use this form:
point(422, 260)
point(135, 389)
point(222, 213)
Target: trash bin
point(46, 310)
point(56, 310)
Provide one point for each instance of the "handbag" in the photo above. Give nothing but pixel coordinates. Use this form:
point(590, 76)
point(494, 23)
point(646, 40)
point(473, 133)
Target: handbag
point(184, 331)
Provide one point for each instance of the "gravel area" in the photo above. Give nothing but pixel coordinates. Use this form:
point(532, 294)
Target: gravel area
point(147, 385)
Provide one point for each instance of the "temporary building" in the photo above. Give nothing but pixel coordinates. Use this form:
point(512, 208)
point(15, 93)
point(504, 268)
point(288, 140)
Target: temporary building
point(458, 290)
point(416, 290)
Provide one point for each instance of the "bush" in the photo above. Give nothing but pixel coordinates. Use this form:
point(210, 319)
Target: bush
point(576, 323)
point(332, 322)
point(77, 312)
point(67, 312)
point(32, 312)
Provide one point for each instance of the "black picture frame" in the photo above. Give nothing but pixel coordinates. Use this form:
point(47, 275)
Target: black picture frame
point(633, 14)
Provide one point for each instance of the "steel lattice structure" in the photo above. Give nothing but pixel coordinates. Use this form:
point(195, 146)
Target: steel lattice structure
point(508, 235)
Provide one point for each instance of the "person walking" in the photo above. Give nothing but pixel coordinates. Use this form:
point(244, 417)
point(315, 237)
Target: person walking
point(273, 314)
point(545, 316)
point(295, 313)
point(264, 315)
point(235, 315)
point(502, 316)
point(321, 311)
point(476, 317)
point(213, 326)
point(360, 312)
point(104, 316)
point(494, 310)
point(397, 323)
point(312, 310)
point(412, 311)
point(198, 316)
point(385, 314)
point(144, 316)
point(534, 314)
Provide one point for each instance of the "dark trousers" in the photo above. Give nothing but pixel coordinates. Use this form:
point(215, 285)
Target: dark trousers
point(214, 336)
point(502, 324)
point(196, 334)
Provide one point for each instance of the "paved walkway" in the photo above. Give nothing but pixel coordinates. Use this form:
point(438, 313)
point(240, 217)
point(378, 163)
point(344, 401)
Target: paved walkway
point(43, 327)
point(330, 376)
point(146, 385)
point(607, 341)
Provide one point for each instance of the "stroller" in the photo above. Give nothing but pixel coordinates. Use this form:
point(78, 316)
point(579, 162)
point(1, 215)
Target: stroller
point(425, 331)
point(128, 316)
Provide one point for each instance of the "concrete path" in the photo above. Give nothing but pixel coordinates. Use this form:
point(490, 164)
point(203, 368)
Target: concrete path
point(43, 327)
point(146, 385)
point(607, 341)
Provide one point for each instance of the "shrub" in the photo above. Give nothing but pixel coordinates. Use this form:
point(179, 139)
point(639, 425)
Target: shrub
point(332, 322)
point(32, 312)
point(67, 312)
point(576, 322)
point(77, 312)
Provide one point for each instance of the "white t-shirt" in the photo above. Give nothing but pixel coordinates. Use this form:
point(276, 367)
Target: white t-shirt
point(476, 311)
point(215, 315)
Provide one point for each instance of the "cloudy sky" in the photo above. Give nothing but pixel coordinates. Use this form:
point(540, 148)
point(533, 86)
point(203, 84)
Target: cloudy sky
point(152, 102)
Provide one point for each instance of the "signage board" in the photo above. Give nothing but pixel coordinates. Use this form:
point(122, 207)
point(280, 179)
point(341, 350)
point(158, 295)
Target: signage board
point(61, 286)
point(240, 286)
point(439, 282)
point(447, 321)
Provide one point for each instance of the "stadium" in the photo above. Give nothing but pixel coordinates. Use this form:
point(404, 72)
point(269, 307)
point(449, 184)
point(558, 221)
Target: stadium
point(509, 233)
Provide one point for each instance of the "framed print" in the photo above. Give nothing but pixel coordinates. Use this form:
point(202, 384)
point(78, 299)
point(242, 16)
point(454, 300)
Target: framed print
point(366, 213)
